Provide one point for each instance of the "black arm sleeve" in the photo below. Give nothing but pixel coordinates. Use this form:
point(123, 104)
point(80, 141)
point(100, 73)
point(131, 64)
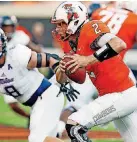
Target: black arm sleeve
point(105, 53)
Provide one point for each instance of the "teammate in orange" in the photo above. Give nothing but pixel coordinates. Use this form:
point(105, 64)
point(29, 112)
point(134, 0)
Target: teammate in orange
point(97, 49)
point(122, 21)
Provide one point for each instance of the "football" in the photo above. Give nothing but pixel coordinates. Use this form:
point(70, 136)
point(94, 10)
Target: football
point(78, 76)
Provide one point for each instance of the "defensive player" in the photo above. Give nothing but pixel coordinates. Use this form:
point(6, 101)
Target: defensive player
point(16, 35)
point(22, 81)
point(97, 50)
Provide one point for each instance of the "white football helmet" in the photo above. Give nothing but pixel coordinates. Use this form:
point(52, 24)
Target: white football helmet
point(74, 14)
point(129, 5)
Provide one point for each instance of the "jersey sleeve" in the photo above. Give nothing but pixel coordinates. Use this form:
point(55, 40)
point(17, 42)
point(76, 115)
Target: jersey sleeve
point(22, 54)
point(96, 29)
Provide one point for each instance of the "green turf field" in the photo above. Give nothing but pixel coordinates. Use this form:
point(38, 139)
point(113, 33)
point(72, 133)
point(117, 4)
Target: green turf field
point(7, 117)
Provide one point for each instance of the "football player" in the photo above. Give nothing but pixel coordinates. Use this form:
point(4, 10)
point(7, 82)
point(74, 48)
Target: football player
point(16, 35)
point(20, 78)
point(119, 20)
point(98, 50)
point(87, 90)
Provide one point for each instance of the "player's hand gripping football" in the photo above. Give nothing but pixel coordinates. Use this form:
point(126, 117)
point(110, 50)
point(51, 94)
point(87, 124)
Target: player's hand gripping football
point(79, 61)
point(76, 62)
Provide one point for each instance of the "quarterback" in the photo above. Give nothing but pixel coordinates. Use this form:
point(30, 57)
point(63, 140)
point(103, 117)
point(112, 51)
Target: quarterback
point(98, 50)
point(87, 90)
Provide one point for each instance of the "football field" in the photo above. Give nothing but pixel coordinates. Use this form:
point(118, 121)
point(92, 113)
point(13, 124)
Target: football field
point(13, 128)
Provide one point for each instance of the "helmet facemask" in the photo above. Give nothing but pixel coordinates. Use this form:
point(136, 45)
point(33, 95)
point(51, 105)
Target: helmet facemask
point(61, 30)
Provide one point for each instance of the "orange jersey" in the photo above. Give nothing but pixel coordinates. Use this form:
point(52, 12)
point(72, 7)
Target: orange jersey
point(110, 75)
point(121, 23)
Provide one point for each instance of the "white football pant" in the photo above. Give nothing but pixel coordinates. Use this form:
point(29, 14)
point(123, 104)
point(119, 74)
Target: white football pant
point(118, 107)
point(45, 114)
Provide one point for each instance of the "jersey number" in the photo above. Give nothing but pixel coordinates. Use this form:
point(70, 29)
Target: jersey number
point(12, 91)
point(115, 20)
point(96, 28)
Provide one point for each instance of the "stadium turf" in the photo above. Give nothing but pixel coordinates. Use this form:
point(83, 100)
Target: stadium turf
point(8, 117)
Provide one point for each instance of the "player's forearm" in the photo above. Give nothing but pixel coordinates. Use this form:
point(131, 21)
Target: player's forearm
point(112, 48)
point(39, 60)
point(117, 44)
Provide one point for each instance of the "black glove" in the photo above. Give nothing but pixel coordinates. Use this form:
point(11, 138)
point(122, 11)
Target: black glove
point(77, 133)
point(70, 92)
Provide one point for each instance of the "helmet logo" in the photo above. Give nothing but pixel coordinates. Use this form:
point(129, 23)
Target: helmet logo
point(75, 15)
point(72, 15)
point(67, 6)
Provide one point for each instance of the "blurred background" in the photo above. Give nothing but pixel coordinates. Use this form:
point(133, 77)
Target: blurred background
point(33, 18)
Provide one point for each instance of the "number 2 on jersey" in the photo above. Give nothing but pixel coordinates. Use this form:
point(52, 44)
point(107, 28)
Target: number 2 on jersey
point(96, 28)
